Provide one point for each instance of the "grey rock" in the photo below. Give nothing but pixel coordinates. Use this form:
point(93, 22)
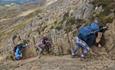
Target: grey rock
point(84, 10)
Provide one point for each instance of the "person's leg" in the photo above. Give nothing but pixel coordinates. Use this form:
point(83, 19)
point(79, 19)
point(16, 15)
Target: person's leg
point(40, 51)
point(37, 50)
point(84, 52)
point(47, 48)
point(85, 48)
point(74, 50)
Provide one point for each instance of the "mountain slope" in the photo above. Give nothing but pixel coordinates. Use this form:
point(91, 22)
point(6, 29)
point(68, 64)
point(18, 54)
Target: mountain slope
point(19, 1)
point(59, 20)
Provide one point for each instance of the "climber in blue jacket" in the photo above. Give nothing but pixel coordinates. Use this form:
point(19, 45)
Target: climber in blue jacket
point(18, 51)
point(86, 38)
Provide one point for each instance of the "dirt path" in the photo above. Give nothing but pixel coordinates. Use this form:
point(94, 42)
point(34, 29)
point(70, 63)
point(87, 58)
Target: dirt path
point(59, 63)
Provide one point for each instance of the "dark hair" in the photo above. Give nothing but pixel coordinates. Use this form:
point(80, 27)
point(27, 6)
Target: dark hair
point(44, 39)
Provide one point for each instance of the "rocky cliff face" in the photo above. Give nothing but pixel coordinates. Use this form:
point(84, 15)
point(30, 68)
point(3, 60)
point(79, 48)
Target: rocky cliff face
point(59, 21)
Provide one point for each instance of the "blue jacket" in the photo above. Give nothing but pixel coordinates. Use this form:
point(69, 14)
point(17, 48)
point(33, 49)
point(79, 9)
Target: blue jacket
point(18, 54)
point(18, 51)
point(87, 33)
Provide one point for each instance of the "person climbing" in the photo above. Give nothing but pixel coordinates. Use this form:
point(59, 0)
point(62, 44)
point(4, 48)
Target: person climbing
point(18, 51)
point(87, 37)
point(44, 45)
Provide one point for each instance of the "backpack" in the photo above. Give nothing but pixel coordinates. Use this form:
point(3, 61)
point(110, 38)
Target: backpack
point(87, 33)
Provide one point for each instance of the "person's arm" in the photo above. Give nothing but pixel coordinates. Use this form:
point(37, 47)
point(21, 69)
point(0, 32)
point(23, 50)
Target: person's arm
point(99, 30)
point(98, 39)
point(99, 35)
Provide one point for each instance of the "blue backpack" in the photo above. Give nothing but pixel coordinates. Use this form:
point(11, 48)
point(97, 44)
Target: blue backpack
point(87, 33)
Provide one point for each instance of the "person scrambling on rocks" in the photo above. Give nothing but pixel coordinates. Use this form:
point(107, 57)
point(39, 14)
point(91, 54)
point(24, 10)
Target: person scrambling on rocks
point(88, 36)
point(18, 51)
point(44, 45)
